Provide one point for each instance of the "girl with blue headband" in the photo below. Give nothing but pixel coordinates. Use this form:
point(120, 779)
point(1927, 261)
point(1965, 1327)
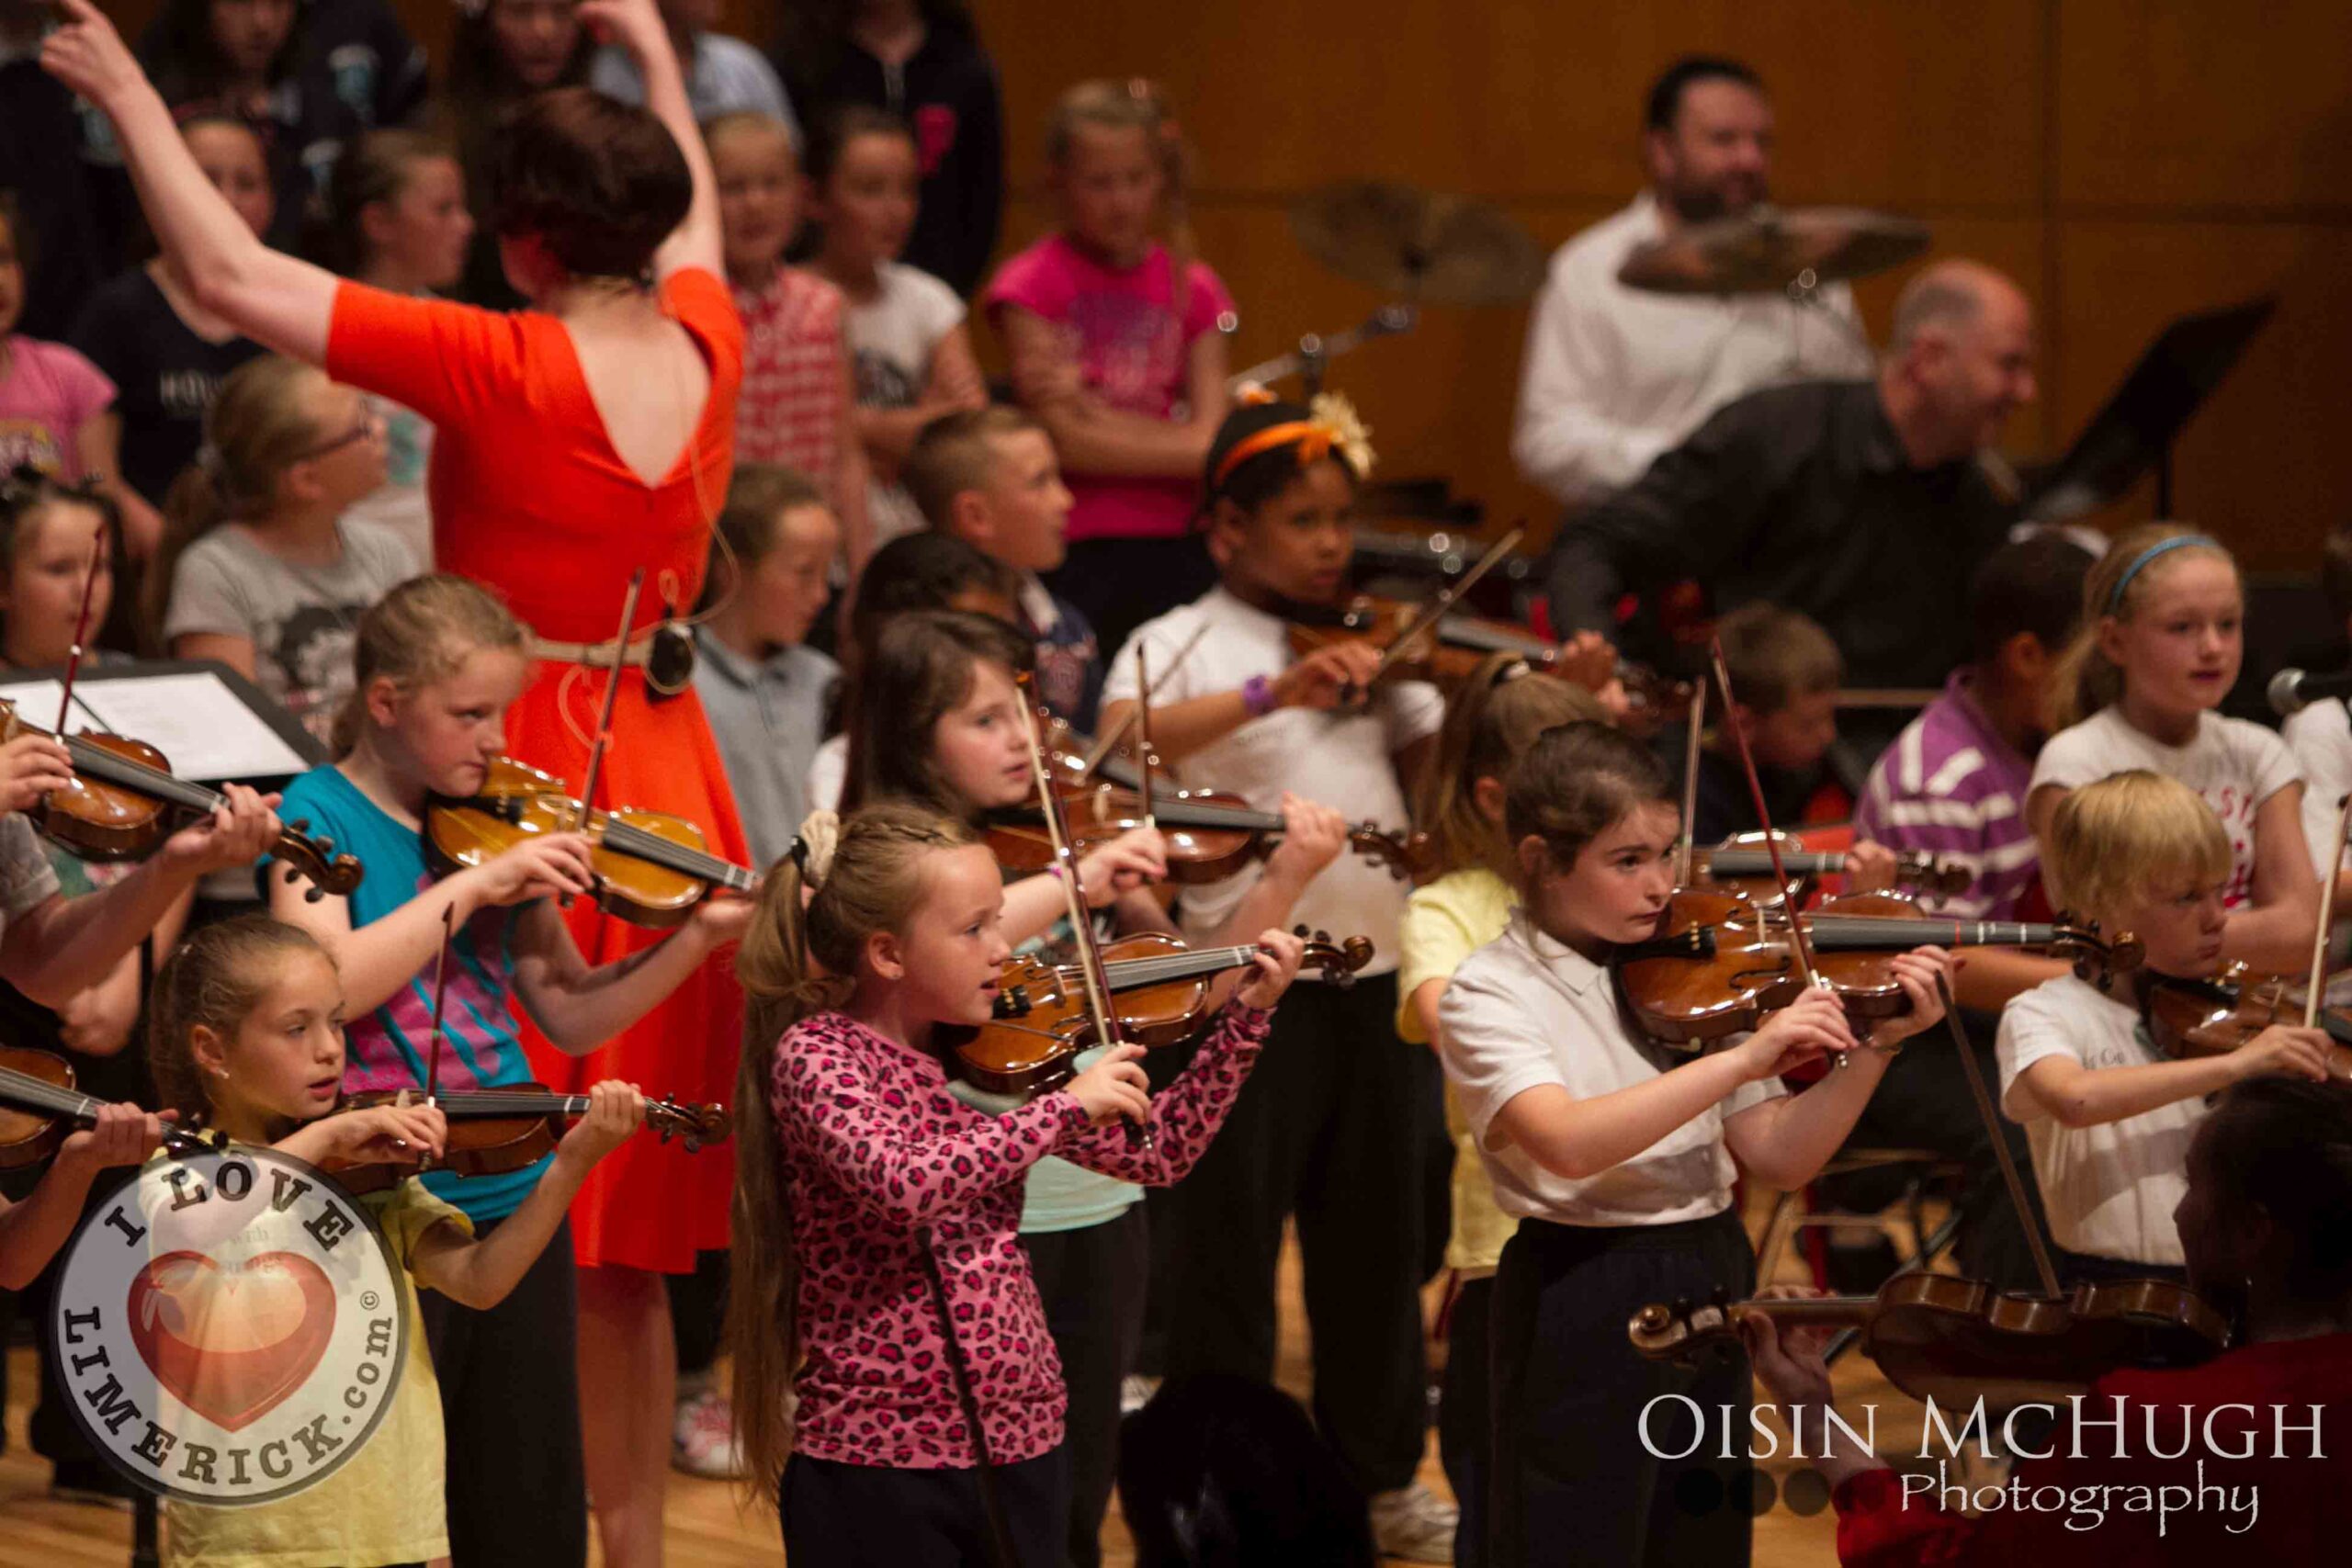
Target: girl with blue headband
point(2160, 645)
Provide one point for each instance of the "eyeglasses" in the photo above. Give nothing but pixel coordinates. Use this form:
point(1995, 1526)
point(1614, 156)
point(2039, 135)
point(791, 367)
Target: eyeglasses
point(370, 424)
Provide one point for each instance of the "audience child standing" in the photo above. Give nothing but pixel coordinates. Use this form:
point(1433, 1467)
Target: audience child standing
point(799, 387)
point(1117, 348)
point(907, 337)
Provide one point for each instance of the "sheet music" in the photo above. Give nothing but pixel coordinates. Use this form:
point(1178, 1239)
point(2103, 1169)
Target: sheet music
point(36, 701)
point(204, 728)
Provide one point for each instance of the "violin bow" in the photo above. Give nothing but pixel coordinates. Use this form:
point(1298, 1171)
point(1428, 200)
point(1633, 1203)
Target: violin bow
point(604, 736)
point(80, 631)
point(1437, 609)
point(2326, 914)
point(1798, 940)
point(1690, 781)
point(1098, 986)
point(440, 992)
point(1108, 742)
point(1144, 754)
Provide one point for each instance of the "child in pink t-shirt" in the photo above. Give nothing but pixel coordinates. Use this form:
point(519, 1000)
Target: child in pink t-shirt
point(1114, 344)
point(54, 402)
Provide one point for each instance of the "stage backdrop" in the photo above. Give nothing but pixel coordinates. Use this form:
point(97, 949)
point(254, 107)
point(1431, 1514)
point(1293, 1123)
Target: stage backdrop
point(2126, 160)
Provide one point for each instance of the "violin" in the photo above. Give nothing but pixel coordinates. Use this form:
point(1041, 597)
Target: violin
point(1159, 995)
point(1718, 963)
point(1742, 865)
point(1211, 834)
point(492, 1132)
point(2215, 1017)
point(39, 1108)
point(1940, 1337)
point(651, 868)
point(125, 801)
point(1450, 651)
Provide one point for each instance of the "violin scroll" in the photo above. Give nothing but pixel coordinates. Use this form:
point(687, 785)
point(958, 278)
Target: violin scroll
point(2093, 955)
point(1336, 961)
point(694, 1125)
point(316, 859)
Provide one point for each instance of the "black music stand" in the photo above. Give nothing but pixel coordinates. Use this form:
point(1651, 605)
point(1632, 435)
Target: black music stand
point(2135, 429)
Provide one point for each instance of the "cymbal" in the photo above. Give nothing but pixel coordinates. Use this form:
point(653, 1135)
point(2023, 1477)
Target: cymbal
point(1768, 248)
point(1429, 247)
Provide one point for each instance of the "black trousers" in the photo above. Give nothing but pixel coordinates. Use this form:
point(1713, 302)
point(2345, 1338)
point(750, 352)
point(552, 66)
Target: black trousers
point(859, 1516)
point(510, 1417)
point(1574, 1482)
point(1466, 1420)
point(699, 1311)
point(1924, 1103)
point(1092, 1282)
point(1118, 584)
point(1329, 1128)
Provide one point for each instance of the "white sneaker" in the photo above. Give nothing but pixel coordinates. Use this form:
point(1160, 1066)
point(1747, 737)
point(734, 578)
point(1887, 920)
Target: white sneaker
point(1135, 1391)
point(1415, 1524)
point(702, 1442)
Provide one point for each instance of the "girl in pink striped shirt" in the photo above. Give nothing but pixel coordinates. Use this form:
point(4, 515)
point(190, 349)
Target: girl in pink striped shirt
point(857, 1171)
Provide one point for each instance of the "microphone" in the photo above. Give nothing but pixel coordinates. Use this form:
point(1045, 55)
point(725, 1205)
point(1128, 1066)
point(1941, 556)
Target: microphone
point(2292, 690)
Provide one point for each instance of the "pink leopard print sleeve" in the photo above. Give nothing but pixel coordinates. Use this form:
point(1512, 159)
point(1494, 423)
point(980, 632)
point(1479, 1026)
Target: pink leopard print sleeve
point(1186, 1114)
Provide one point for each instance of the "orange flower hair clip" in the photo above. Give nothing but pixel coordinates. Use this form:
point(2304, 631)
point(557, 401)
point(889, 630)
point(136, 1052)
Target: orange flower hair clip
point(1332, 426)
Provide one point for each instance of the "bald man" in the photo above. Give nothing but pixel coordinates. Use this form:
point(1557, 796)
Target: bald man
point(1860, 503)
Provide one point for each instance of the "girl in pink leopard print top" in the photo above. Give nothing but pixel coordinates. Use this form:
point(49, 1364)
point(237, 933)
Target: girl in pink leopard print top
point(852, 1152)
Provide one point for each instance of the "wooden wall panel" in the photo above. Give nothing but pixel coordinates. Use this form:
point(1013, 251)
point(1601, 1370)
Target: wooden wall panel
point(2172, 105)
point(2126, 160)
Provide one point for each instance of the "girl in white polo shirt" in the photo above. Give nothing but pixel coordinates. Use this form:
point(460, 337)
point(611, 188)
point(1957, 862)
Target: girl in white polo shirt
point(2109, 1116)
point(1617, 1160)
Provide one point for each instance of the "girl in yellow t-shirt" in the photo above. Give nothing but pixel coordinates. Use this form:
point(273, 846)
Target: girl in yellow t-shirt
point(248, 1040)
point(1496, 716)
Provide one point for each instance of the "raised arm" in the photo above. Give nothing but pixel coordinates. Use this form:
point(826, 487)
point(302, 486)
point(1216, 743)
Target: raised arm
point(637, 27)
point(276, 298)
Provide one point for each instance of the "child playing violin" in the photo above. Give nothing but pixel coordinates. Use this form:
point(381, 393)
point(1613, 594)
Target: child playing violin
point(439, 660)
point(940, 727)
point(2108, 1117)
point(1497, 714)
point(2261, 1224)
point(1617, 1164)
point(858, 1174)
point(33, 1227)
point(248, 1040)
point(1342, 1127)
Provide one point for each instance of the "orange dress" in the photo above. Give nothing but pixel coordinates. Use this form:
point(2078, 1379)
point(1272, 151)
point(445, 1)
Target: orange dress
point(531, 499)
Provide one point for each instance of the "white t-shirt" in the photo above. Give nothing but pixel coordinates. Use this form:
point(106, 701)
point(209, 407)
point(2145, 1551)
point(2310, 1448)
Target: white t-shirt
point(891, 340)
point(1525, 1011)
point(1343, 760)
point(2320, 739)
point(2108, 1189)
point(828, 775)
point(2235, 765)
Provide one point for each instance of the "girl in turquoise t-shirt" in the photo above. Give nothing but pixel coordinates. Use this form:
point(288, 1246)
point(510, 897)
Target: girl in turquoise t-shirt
point(438, 662)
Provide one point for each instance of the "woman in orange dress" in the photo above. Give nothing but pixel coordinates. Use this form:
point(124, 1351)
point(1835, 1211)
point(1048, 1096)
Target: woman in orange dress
point(578, 441)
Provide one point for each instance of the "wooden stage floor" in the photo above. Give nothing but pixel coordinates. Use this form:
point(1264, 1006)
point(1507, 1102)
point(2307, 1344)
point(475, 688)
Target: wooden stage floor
point(705, 1530)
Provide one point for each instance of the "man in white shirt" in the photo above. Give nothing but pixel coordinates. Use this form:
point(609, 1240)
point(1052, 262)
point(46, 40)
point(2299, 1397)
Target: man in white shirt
point(1615, 376)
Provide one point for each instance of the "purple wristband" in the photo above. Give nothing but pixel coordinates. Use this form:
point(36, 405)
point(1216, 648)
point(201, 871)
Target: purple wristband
point(1257, 696)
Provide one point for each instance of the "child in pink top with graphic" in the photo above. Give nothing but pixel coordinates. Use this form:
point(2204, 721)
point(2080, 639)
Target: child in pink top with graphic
point(54, 401)
point(1116, 347)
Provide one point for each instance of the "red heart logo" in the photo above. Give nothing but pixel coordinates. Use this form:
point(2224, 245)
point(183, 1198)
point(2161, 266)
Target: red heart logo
point(232, 1342)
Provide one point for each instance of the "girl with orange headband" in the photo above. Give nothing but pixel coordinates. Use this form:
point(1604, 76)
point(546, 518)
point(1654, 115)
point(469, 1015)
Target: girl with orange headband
point(1344, 1122)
